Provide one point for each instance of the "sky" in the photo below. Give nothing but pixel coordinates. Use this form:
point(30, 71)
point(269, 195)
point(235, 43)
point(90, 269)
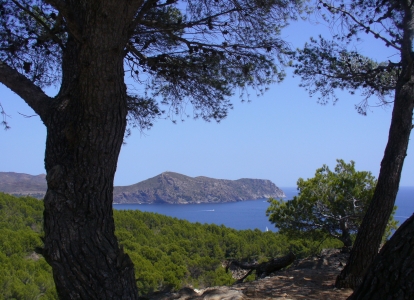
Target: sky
point(281, 136)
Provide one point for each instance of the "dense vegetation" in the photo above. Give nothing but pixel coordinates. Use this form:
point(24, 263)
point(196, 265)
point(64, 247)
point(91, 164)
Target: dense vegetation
point(23, 273)
point(332, 203)
point(167, 252)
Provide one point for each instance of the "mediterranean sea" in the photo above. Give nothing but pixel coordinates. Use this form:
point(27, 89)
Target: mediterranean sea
point(248, 214)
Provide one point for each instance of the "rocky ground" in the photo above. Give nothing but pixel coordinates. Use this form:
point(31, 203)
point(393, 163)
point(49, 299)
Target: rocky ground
point(310, 278)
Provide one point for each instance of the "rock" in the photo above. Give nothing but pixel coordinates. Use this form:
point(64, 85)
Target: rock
point(329, 258)
point(168, 187)
point(221, 293)
point(315, 282)
point(216, 293)
point(174, 188)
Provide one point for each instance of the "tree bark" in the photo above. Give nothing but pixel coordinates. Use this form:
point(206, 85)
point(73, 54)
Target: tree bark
point(85, 131)
point(391, 274)
point(345, 236)
point(373, 226)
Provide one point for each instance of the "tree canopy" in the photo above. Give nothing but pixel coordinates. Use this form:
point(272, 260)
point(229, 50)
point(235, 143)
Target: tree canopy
point(332, 203)
point(178, 53)
point(327, 65)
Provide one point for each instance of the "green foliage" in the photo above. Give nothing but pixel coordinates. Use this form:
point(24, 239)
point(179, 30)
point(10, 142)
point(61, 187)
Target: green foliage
point(331, 203)
point(392, 226)
point(325, 66)
point(167, 252)
point(329, 65)
point(181, 53)
point(23, 273)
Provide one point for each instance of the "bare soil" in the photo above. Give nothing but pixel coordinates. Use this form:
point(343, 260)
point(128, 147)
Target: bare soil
point(310, 278)
point(296, 284)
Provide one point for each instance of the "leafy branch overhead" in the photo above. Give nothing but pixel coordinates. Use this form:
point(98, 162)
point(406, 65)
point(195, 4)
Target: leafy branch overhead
point(179, 53)
point(325, 66)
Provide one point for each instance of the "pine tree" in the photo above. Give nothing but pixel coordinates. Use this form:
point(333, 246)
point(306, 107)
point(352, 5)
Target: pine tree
point(328, 65)
point(179, 54)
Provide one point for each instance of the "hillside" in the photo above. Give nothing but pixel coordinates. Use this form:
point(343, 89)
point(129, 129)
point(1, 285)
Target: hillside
point(19, 184)
point(174, 188)
point(167, 253)
point(168, 187)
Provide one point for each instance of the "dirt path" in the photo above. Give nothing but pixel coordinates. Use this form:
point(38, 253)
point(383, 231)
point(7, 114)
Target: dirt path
point(295, 284)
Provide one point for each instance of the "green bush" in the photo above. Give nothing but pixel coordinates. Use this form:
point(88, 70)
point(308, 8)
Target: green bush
point(332, 203)
point(23, 273)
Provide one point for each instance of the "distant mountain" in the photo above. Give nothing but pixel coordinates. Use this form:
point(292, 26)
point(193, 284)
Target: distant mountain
point(174, 188)
point(168, 187)
point(20, 184)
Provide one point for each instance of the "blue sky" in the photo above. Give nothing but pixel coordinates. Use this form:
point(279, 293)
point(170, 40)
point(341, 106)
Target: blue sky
point(280, 136)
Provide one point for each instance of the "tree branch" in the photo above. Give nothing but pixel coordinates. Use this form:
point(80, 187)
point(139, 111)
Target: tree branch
point(362, 25)
point(26, 89)
point(144, 9)
point(4, 115)
point(63, 8)
point(42, 23)
point(161, 27)
point(263, 269)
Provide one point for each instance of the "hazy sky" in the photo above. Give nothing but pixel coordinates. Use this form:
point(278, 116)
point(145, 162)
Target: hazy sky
point(280, 136)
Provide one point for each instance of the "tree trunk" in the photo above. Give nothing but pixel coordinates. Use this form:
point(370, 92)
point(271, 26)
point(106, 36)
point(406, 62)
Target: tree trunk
point(345, 236)
point(84, 135)
point(391, 274)
point(373, 226)
point(262, 270)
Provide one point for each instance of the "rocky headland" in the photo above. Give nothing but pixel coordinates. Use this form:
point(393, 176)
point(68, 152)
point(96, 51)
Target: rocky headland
point(168, 187)
point(174, 188)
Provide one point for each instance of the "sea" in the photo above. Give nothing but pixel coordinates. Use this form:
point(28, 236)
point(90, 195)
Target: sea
point(250, 214)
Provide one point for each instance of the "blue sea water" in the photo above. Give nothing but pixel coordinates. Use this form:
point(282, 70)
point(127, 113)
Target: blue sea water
point(248, 214)
point(404, 203)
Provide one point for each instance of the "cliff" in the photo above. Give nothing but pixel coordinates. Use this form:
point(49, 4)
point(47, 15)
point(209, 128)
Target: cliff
point(175, 188)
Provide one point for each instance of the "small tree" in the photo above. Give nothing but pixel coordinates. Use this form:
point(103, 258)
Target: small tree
point(332, 202)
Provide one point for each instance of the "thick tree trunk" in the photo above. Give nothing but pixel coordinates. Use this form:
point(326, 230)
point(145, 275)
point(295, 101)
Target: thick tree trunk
point(391, 274)
point(373, 226)
point(84, 136)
